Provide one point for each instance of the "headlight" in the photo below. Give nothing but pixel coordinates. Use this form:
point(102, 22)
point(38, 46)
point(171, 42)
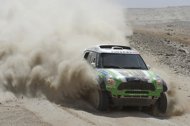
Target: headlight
point(159, 82)
point(110, 81)
point(162, 83)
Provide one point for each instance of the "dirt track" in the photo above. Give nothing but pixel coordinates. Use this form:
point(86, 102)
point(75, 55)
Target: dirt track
point(41, 112)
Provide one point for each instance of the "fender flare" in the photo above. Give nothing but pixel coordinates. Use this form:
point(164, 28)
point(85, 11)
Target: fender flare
point(102, 84)
point(165, 87)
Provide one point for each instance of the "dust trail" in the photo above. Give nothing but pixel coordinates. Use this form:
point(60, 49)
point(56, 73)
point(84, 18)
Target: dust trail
point(41, 43)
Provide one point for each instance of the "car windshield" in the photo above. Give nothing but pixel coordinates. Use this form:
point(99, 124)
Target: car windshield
point(122, 61)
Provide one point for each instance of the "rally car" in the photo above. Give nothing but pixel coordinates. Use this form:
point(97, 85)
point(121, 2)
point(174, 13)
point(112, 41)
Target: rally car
point(124, 79)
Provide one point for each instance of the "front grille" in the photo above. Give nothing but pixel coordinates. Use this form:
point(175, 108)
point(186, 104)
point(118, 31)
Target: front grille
point(136, 85)
point(137, 92)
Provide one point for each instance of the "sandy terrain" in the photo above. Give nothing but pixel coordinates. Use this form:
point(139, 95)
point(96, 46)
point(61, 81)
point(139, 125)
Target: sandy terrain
point(167, 56)
point(14, 114)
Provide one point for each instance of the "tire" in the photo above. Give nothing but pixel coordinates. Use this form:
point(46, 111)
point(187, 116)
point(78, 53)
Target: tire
point(160, 107)
point(100, 100)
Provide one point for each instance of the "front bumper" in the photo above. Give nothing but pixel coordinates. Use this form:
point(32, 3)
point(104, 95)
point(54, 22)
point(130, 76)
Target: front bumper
point(134, 101)
point(135, 90)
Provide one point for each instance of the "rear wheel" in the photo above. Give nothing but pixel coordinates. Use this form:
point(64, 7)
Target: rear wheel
point(100, 100)
point(160, 106)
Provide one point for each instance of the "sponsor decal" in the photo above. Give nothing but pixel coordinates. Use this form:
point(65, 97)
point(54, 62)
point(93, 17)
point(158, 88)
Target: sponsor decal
point(124, 52)
point(123, 75)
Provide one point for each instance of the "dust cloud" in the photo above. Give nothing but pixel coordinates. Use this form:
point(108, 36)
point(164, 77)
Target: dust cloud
point(177, 99)
point(177, 103)
point(41, 44)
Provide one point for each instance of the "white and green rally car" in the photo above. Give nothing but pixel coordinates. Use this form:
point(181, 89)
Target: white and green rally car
point(124, 79)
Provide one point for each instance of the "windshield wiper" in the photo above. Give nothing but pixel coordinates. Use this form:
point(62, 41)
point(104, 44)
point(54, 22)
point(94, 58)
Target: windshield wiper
point(112, 66)
point(132, 67)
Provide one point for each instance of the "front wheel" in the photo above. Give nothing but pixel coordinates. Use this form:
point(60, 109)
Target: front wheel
point(160, 106)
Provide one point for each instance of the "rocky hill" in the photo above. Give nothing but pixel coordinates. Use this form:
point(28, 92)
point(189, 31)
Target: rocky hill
point(155, 15)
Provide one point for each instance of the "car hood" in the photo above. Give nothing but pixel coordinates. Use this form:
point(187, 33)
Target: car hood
point(126, 74)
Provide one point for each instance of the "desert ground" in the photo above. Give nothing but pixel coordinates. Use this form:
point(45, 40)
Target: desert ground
point(162, 37)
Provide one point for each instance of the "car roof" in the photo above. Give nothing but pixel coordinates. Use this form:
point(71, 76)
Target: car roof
point(119, 49)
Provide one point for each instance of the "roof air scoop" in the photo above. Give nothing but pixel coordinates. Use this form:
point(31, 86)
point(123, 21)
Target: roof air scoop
point(119, 47)
point(116, 47)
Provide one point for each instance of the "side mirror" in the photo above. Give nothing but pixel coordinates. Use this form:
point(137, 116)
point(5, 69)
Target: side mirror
point(93, 65)
point(149, 67)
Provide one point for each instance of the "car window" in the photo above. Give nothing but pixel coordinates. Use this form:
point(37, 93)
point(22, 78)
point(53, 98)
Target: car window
point(86, 55)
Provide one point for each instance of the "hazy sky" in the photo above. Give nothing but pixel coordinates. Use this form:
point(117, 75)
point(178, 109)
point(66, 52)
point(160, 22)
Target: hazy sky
point(153, 3)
